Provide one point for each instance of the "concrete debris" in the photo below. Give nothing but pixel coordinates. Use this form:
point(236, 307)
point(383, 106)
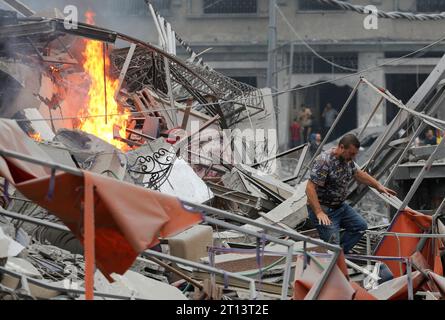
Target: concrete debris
point(170, 180)
point(8, 247)
point(136, 285)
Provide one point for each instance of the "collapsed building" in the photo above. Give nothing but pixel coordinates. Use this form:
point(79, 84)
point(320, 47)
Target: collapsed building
point(166, 176)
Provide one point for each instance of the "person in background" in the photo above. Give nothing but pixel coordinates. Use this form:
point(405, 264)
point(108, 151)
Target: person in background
point(315, 144)
point(295, 134)
point(440, 136)
point(430, 138)
point(329, 115)
point(306, 122)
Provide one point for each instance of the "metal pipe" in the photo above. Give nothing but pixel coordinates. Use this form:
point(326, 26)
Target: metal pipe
point(421, 175)
point(174, 270)
point(291, 234)
point(125, 67)
point(405, 151)
point(280, 155)
point(287, 272)
point(32, 220)
point(48, 286)
point(326, 275)
point(368, 248)
point(370, 117)
point(299, 165)
point(45, 163)
point(408, 235)
point(249, 232)
point(409, 279)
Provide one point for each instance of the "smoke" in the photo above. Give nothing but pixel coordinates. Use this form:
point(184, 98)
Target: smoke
point(129, 17)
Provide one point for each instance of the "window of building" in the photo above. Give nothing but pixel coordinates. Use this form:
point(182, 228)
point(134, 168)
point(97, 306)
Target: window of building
point(430, 5)
point(229, 6)
point(128, 8)
point(313, 5)
point(422, 54)
point(309, 63)
point(161, 5)
point(251, 81)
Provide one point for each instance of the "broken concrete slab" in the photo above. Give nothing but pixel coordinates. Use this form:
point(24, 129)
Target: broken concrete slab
point(275, 185)
point(8, 246)
point(192, 244)
point(39, 124)
point(58, 153)
point(138, 286)
point(291, 212)
point(184, 183)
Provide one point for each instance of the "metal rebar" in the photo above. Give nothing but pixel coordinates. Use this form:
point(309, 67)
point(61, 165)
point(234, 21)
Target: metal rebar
point(370, 118)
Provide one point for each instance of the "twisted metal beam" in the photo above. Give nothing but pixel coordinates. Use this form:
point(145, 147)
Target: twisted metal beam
point(396, 15)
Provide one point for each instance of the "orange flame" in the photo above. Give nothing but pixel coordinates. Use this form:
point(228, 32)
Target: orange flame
point(94, 121)
point(36, 136)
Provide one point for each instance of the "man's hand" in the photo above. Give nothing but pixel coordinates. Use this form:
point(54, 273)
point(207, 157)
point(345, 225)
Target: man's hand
point(323, 218)
point(387, 191)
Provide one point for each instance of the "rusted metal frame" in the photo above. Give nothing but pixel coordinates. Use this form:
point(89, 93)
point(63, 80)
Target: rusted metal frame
point(125, 67)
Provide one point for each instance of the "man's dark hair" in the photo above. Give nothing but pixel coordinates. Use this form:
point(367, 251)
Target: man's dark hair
point(349, 140)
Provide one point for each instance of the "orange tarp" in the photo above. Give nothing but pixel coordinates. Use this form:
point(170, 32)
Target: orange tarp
point(337, 286)
point(128, 219)
point(408, 221)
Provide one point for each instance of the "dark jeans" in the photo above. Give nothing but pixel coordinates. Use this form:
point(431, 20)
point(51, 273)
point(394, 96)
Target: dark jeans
point(342, 218)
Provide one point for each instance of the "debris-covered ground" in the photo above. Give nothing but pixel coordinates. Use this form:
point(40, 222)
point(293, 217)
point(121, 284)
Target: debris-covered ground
point(128, 173)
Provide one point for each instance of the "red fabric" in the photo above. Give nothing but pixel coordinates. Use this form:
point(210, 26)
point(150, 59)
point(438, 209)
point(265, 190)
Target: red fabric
point(128, 219)
point(402, 293)
point(439, 282)
point(295, 131)
point(336, 287)
point(89, 241)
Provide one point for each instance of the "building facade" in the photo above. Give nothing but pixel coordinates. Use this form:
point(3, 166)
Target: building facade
point(234, 36)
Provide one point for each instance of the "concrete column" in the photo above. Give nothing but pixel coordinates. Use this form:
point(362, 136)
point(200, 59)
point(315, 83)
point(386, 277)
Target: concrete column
point(367, 98)
point(283, 113)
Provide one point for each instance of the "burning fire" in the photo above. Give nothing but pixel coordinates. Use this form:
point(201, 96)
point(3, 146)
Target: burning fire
point(93, 65)
point(36, 136)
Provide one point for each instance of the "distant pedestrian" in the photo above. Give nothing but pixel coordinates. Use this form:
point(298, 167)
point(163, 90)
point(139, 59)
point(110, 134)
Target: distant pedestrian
point(313, 147)
point(329, 115)
point(430, 138)
point(306, 122)
point(295, 134)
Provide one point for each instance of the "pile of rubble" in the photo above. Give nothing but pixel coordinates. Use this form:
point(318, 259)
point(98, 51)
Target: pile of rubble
point(188, 198)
